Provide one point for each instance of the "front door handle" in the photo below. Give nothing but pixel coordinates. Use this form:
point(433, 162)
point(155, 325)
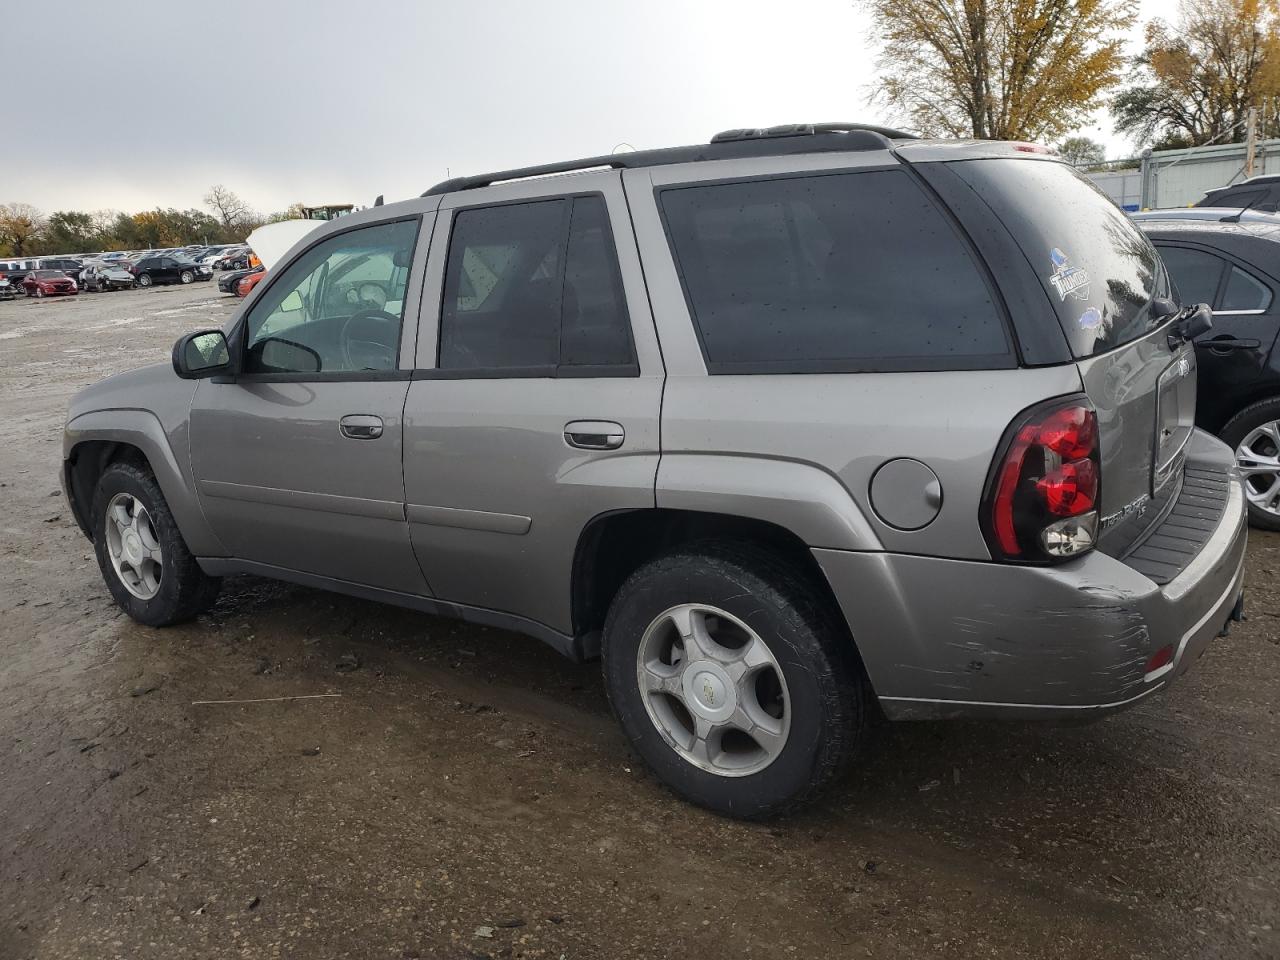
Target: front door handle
point(360, 426)
point(594, 434)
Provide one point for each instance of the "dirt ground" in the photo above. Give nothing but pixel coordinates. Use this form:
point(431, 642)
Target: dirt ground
point(466, 793)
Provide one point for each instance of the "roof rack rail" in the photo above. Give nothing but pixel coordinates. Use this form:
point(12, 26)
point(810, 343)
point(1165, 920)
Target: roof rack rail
point(728, 145)
point(808, 130)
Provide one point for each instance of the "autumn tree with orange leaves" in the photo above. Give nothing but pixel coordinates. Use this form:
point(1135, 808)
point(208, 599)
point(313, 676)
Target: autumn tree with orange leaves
point(1195, 81)
point(998, 69)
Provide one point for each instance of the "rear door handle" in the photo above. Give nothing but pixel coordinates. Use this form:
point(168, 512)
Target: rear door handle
point(594, 434)
point(1227, 343)
point(360, 426)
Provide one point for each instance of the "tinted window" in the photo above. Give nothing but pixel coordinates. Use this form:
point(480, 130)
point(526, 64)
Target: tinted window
point(1245, 292)
point(336, 308)
point(846, 271)
point(1096, 267)
point(1237, 198)
point(595, 328)
point(533, 286)
point(1195, 274)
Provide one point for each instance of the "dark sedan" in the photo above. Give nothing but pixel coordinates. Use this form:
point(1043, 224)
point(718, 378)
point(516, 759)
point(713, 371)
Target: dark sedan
point(229, 282)
point(1235, 268)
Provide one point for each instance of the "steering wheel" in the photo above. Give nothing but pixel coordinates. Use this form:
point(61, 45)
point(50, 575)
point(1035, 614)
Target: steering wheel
point(370, 340)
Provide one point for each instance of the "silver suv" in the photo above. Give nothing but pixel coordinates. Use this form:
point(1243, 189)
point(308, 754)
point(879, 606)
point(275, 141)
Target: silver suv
point(788, 427)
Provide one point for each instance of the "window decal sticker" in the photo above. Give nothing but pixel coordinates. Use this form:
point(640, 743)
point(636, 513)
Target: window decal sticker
point(1069, 281)
point(1091, 319)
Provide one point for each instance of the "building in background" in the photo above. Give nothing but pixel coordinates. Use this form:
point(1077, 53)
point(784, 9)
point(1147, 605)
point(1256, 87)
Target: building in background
point(1179, 178)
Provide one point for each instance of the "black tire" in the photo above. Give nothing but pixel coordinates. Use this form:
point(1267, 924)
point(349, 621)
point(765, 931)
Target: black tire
point(807, 638)
point(144, 280)
point(186, 276)
point(1233, 434)
point(185, 589)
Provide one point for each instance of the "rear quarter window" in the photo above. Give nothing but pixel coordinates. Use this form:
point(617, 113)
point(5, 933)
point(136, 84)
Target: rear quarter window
point(830, 273)
point(1099, 271)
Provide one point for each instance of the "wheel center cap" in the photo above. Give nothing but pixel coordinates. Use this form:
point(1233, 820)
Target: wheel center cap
point(708, 691)
point(132, 547)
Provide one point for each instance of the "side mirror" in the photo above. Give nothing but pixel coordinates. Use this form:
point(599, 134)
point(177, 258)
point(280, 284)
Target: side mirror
point(200, 355)
point(286, 356)
point(1191, 323)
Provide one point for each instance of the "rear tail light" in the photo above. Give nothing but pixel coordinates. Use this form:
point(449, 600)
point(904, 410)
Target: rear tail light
point(1042, 496)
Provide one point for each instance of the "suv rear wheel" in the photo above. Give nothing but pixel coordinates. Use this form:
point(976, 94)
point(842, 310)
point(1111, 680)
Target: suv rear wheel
point(732, 679)
point(143, 558)
point(1254, 434)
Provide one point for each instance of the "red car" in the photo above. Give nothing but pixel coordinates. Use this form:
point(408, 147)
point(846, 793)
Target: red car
point(45, 283)
point(245, 285)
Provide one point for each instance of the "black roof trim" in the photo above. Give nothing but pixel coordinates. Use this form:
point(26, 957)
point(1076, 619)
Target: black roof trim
point(729, 145)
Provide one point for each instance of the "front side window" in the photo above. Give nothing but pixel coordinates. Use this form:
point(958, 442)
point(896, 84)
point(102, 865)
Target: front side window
point(850, 271)
point(337, 308)
point(534, 287)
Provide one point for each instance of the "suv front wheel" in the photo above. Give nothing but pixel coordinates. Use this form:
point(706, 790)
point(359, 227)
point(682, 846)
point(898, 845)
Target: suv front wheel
point(732, 679)
point(144, 560)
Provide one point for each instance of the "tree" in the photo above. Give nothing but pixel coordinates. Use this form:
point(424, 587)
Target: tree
point(228, 207)
point(1194, 83)
point(20, 227)
point(1082, 152)
point(296, 211)
point(69, 231)
point(998, 69)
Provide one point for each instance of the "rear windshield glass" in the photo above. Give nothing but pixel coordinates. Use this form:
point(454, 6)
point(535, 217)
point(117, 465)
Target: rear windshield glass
point(850, 271)
point(1098, 269)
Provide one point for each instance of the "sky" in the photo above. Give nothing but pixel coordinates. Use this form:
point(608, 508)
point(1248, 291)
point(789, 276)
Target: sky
point(144, 103)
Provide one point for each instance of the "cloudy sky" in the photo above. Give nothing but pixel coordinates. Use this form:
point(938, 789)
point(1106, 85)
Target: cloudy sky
point(327, 101)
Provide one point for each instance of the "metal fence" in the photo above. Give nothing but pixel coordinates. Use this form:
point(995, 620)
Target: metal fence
point(1178, 178)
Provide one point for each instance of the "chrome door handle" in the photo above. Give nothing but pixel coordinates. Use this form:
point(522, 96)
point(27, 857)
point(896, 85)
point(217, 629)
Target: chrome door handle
point(594, 434)
point(360, 426)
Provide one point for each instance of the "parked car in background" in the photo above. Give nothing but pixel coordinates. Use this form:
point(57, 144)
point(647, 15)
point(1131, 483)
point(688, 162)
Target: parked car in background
point(1235, 268)
point(71, 266)
point(106, 276)
point(16, 269)
point(1223, 214)
point(48, 283)
point(168, 268)
point(245, 285)
point(1256, 193)
point(210, 255)
point(843, 423)
point(235, 259)
point(7, 289)
point(230, 278)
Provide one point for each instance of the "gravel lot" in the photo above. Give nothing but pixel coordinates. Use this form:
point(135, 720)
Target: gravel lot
point(467, 794)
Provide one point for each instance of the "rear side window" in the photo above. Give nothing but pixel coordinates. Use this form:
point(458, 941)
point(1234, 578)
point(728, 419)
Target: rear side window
point(534, 288)
point(1099, 271)
point(830, 273)
point(1245, 292)
point(1195, 274)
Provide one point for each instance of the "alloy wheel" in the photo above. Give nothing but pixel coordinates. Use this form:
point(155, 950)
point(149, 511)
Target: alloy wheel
point(714, 690)
point(1258, 457)
point(133, 546)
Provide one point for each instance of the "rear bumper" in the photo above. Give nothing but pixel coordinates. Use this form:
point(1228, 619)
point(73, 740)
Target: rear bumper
point(947, 638)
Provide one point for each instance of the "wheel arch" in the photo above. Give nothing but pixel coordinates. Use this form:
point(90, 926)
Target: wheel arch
point(94, 441)
point(614, 545)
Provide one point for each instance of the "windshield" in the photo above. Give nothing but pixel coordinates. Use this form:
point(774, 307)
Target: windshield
point(1098, 269)
point(49, 274)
